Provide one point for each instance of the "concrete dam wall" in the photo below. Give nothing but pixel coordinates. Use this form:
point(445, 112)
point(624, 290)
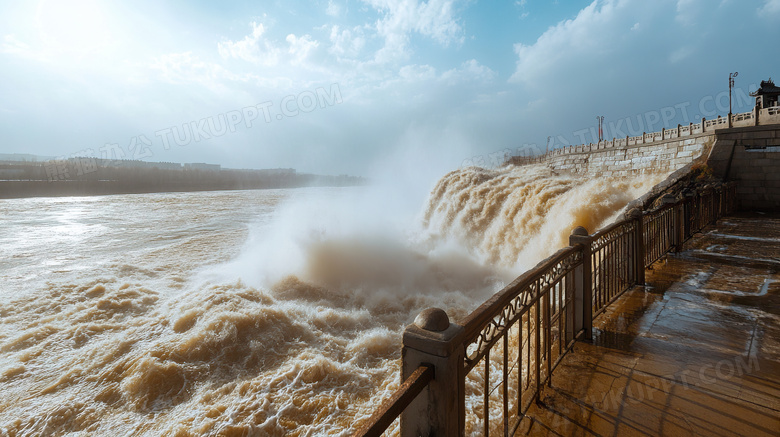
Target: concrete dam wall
point(664, 156)
point(742, 147)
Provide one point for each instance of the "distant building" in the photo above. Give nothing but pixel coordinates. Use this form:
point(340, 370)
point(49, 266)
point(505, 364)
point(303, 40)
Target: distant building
point(202, 166)
point(767, 95)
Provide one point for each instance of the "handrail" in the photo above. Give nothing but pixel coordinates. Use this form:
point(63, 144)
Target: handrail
point(705, 127)
point(392, 407)
point(480, 317)
point(545, 311)
point(612, 268)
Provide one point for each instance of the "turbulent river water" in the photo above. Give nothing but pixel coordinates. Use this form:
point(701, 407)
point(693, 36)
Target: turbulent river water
point(273, 312)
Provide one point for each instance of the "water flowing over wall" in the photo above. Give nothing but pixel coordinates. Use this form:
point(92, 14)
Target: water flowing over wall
point(514, 216)
point(135, 341)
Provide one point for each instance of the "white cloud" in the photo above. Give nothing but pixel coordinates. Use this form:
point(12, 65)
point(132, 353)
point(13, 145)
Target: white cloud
point(13, 46)
point(689, 10)
point(416, 73)
point(186, 67)
point(435, 19)
point(593, 30)
point(253, 48)
point(300, 47)
point(771, 7)
point(521, 4)
point(189, 68)
point(346, 42)
point(470, 70)
point(333, 9)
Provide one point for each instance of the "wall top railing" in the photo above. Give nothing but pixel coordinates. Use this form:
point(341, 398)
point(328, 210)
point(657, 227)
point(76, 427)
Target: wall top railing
point(755, 117)
point(517, 338)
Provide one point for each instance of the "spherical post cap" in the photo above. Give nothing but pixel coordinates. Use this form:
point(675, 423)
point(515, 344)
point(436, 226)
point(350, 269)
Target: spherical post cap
point(580, 231)
point(634, 213)
point(432, 319)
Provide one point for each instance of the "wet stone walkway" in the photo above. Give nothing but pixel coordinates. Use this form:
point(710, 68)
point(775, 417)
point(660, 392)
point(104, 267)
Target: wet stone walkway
point(694, 352)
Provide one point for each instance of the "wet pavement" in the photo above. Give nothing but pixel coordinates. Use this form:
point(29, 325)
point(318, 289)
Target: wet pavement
point(694, 352)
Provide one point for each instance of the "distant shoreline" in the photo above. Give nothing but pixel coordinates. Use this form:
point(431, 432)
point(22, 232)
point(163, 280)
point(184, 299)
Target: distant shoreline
point(81, 188)
point(95, 177)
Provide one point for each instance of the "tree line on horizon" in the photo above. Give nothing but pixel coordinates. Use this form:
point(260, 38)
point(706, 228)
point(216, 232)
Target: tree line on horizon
point(74, 177)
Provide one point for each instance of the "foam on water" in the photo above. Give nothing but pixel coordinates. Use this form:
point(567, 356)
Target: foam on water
point(246, 313)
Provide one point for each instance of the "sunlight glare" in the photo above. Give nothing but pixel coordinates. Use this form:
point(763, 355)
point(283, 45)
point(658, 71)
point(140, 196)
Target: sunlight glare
point(76, 28)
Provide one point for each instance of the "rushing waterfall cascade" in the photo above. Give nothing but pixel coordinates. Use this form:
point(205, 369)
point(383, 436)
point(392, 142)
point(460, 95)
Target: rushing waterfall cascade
point(516, 216)
point(273, 312)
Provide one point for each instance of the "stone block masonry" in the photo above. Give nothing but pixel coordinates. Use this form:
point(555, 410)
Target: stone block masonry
point(742, 147)
point(751, 157)
point(664, 156)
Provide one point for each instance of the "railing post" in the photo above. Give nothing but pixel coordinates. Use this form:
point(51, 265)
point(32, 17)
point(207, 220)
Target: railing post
point(669, 199)
point(583, 286)
point(688, 208)
point(716, 202)
point(679, 225)
point(713, 214)
point(638, 255)
point(440, 409)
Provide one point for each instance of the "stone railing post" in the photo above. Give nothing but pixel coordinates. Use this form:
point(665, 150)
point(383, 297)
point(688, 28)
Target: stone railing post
point(756, 113)
point(663, 133)
point(638, 251)
point(581, 280)
point(730, 121)
point(703, 124)
point(678, 130)
point(440, 409)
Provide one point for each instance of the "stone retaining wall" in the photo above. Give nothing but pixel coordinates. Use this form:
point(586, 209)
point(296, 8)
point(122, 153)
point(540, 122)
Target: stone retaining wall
point(660, 156)
point(751, 157)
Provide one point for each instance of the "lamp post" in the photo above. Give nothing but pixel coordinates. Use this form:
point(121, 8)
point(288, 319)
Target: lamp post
point(731, 85)
point(600, 119)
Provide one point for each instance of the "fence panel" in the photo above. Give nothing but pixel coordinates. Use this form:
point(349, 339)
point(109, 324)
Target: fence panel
point(513, 342)
point(658, 233)
point(528, 327)
point(612, 263)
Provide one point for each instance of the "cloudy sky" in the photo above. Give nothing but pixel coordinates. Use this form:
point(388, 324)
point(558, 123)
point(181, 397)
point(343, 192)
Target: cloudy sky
point(344, 86)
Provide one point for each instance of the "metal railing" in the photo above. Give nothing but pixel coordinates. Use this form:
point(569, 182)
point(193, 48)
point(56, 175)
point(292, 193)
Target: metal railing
point(658, 233)
point(536, 310)
point(613, 271)
point(504, 352)
point(395, 405)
